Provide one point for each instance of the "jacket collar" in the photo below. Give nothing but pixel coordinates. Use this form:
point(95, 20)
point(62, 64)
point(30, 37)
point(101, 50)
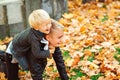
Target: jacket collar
point(38, 34)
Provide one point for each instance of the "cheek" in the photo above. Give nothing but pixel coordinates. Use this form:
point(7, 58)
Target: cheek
point(49, 26)
point(57, 41)
point(51, 40)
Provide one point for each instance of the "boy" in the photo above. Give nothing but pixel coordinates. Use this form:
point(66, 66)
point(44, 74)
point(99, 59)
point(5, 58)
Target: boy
point(37, 64)
point(28, 41)
point(27, 47)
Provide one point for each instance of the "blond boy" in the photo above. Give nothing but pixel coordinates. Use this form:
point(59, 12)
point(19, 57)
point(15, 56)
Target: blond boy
point(31, 46)
point(29, 41)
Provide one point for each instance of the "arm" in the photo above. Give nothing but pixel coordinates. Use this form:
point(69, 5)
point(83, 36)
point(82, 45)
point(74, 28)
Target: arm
point(37, 51)
point(60, 64)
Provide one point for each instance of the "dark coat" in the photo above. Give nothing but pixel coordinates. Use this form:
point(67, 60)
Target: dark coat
point(37, 66)
point(28, 43)
point(57, 56)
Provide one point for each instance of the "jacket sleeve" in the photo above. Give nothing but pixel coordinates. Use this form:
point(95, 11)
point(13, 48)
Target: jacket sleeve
point(37, 51)
point(60, 64)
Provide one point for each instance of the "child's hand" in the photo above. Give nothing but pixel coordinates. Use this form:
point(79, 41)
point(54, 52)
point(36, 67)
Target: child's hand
point(52, 49)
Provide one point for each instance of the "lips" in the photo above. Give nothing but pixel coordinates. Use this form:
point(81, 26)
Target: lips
point(47, 31)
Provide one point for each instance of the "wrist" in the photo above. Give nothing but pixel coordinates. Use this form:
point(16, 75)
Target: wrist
point(52, 50)
point(51, 47)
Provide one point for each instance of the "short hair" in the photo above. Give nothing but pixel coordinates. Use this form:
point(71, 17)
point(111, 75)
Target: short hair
point(55, 26)
point(37, 17)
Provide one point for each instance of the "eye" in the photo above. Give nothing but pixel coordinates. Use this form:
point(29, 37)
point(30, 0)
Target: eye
point(60, 36)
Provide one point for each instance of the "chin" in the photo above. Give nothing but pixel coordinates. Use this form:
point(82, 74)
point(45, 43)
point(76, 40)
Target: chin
point(57, 46)
point(47, 32)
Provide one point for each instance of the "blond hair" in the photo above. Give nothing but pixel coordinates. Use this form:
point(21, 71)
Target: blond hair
point(56, 26)
point(37, 17)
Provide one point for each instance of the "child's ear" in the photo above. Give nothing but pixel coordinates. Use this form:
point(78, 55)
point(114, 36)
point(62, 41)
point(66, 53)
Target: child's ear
point(47, 37)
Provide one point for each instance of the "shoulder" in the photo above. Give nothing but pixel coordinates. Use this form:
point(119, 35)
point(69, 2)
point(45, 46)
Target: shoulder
point(37, 34)
point(22, 36)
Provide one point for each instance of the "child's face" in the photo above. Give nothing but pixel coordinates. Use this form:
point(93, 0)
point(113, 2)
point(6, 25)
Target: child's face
point(45, 27)
point(55, 38)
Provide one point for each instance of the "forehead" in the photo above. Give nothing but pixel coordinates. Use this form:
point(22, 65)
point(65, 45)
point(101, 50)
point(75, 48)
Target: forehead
point(46, 21)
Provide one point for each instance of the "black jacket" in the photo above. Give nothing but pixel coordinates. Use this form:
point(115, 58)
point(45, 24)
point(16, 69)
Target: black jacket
point(28, 50)
point(26, 41)
point(57, 56)
point(37, 66)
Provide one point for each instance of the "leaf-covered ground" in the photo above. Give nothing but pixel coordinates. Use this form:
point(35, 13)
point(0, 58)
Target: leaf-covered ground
point(92, 39)
point(91, 47)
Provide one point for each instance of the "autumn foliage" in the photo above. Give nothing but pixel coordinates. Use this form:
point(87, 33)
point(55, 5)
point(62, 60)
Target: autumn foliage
point(91, 46)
